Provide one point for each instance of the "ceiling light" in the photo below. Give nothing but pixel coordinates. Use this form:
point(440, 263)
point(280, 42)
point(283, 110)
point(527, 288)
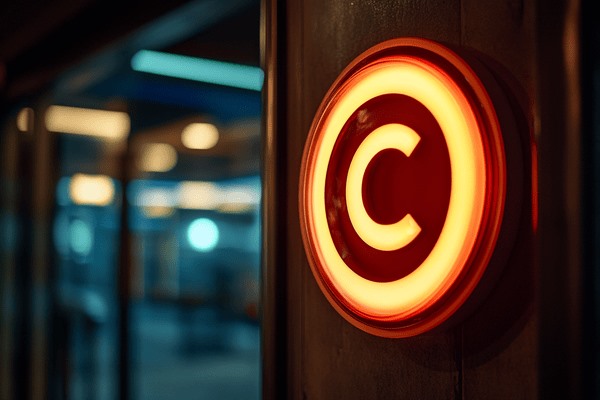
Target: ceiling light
point(198, 69)
point(200, 136)
point(157, 157)
point(108, 125)
point(94, 190)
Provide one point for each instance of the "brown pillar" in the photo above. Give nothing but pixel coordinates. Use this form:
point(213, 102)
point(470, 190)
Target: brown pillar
point(504, 349)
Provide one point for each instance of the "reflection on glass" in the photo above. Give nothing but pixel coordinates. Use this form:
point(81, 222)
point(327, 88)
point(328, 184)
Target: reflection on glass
point(85, 238)
point(148, 196)
point(61, 233)
point(240, 199)
point(196, 325)
point(199, 195)
point(177, 316)
point(81, 237)
point(157, 157)
point(158, 211)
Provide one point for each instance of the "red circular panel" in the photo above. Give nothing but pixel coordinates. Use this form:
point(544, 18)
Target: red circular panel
point(403, 186)
point(427, 200)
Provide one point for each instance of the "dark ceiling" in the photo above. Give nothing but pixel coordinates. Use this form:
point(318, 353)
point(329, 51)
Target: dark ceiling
point(80, 53)
point(41, 40)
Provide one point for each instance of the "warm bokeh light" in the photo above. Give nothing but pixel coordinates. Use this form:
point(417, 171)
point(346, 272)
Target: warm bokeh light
point(198, 69)
point(203, 234)
point(210, 196)
point(385, 237)
point(158, 211)
point(95, 190)
point(199, 195)
point(155, 197)
point(239, 200)
point(157, 157)
point(25, 119)
point(158, 202)
point(107, 125)
point(200, 136)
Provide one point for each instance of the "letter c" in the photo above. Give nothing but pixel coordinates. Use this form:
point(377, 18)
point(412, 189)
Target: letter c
point(386, 237)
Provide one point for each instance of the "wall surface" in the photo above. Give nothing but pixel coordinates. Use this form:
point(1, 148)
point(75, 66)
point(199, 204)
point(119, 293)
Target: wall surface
point(310, 351)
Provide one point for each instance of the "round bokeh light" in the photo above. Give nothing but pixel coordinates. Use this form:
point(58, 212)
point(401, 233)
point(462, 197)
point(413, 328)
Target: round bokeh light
point(203, 234)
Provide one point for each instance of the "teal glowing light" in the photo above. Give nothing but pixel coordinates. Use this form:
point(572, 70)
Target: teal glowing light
point(203, 234)
point(198, 69)
point(81, 237)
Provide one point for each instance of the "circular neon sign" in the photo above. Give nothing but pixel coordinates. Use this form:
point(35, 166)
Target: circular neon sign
point(403, 187)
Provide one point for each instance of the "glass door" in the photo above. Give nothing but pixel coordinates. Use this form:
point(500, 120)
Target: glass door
point(154, 230)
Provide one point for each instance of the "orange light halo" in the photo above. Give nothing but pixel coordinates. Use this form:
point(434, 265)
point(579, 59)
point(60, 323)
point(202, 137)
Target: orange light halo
point(446, 102)
point(456, 98)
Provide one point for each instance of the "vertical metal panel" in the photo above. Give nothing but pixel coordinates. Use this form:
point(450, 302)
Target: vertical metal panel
point(124, 279)
point(559, 242)
point(23, 326)
point(44, 179)
point(294, 128)
point(590, 131)
point(524, 340)
point(8, 255)
point(274, 303)
point(29, 165)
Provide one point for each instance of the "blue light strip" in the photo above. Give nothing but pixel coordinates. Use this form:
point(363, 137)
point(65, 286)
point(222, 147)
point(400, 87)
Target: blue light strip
point(198, 69)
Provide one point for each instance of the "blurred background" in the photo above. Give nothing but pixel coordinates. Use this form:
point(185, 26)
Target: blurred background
point(130, 216)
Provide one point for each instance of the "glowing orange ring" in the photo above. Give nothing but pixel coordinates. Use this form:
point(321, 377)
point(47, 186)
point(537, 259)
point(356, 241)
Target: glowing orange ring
point(440, 285)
